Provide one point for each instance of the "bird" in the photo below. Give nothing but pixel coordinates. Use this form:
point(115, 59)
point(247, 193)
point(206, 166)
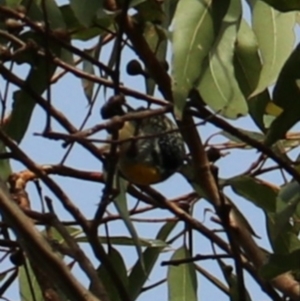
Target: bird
point(154, 152)
point(152, 149)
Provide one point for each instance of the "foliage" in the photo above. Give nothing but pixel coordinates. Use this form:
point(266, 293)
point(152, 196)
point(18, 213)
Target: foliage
point(221, 69)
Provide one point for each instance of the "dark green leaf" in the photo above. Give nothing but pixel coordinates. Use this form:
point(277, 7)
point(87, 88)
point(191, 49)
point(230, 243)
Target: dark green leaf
point(287, 202)
point(86, 11)
point(11, 3)
point(258, 192)
point(284, 5)
point(286, 95)
point(118, 264)
point(247, 67)
point(79, 31)
point(5, 168)
point(24, 104)
point(278, 264)
point(54, 15)
point(182, 280)
point(218, 85)
point(157, 42)
point(285, 241)
point(150, 11)
point(169, 10)
point(34, 11)
point(139, 275)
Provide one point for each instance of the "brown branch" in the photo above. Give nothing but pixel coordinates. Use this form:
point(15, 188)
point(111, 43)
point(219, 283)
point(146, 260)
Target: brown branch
point(71, 208)
point(83, 261)
point(220, 123)
point(63, 121)
point(155, 68)
point(39, 251)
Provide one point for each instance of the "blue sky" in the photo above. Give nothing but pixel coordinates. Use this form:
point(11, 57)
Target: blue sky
point(68, 97)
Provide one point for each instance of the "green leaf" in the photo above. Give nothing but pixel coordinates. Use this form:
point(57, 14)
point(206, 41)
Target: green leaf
point(283, 242)
point(284, 5)
point(157, 41)
point(169, 10)
point(86, 11)
point(24, 284)
point(119, 265)
point(127, 241)
point(280, 263)
point(88, 86)
point(254, 135)
point(276, 38)
point(287, 202)
point(37, 80)
point(256, 191)
point(11, 3)
point(139, 275)
point(120, 203)
point(79, 31)
point(247, 66)
point(5, 168)
point(23, 104)
point(150, 11)
point(286, 95)
point(55, 235)
point(218, 85)
point(54, 15)
point(182, 280)
point(191, 41)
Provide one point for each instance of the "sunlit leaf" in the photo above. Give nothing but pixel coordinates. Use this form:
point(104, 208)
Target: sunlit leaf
point(191, 41)
point(218, 85)
point(275, 34)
